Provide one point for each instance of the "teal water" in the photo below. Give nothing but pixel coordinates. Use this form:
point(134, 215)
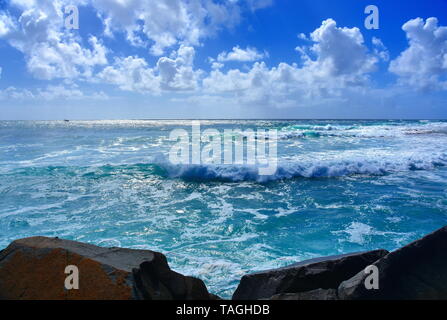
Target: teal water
point(341, 186)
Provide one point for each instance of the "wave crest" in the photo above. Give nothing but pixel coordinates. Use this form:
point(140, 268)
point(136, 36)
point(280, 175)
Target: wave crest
point(290, 169)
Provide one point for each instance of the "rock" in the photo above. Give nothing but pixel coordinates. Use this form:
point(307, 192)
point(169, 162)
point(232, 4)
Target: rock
point(154, 280)
point(215, 297)
point(416, 271)
point(33, 269)
point(319, 294)
point(324, 273)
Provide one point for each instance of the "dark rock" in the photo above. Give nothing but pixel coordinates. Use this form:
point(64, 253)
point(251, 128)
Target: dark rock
point(416, 271)
point(33, 268)
point(319, 294)
point(324, 273)
point(215, 297)
point(155, 281)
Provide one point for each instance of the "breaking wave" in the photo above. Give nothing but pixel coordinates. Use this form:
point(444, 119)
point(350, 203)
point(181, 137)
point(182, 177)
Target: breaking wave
point(305, 169)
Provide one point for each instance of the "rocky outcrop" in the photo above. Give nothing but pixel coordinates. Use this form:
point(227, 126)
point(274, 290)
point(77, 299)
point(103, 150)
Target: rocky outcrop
point(309, 275)
point(416, 271)
point(34, 268)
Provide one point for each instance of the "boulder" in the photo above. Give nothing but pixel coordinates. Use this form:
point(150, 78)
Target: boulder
point(34, 269)
point(415, 272)
point(319, 273)
point(154, 280)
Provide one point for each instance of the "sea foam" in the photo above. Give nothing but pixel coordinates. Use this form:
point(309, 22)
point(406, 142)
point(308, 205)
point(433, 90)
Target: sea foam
point(304, 169)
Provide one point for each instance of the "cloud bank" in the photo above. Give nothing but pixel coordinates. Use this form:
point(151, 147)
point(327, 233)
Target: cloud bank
point(334, 64)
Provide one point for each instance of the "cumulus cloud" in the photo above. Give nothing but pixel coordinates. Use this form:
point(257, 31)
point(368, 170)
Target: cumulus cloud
point(260, 85)
point(65, 59)
point(51, 51)
point(178, 73)
point(131, 74)
point(164, 23)
point(333, 62)
point(340, 52)
point(423, 64)
point(336, 62)
point(243, 55)
point(174, 73)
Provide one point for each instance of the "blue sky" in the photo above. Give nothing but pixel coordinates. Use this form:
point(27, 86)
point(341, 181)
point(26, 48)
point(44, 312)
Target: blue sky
point(222, 59)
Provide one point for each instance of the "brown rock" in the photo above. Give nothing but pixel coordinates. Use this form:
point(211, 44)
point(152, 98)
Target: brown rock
point(33, 269)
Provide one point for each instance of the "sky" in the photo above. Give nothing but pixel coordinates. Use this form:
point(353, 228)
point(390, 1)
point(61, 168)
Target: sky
point(216, 59)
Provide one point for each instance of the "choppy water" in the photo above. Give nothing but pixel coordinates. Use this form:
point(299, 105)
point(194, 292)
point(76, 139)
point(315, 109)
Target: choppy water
point(341, 186)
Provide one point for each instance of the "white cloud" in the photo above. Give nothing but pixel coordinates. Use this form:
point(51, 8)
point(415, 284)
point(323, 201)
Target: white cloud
point(243, 55)
point(340, 52)
point(51, 51)
point(50, 93)
point(380, 50)
point(174, 73)
point(6, 24)
point(259, 4)
point(131, 74)
point(331, 73)
point(333, 63)
point(423, 64)
point(178, 73)
point(164, 23)
point(216, 65)
point(260, 85)
point(15, 94)
point(302, 36)
point(60, 92)
point(65, 59)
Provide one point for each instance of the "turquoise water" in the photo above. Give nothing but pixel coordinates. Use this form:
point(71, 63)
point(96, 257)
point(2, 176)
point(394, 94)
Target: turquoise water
point(341, 186)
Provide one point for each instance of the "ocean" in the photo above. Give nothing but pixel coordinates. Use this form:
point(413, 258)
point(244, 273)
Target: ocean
point(340, 186)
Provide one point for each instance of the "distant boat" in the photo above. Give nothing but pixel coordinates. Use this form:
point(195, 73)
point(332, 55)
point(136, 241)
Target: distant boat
point(66, 120)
